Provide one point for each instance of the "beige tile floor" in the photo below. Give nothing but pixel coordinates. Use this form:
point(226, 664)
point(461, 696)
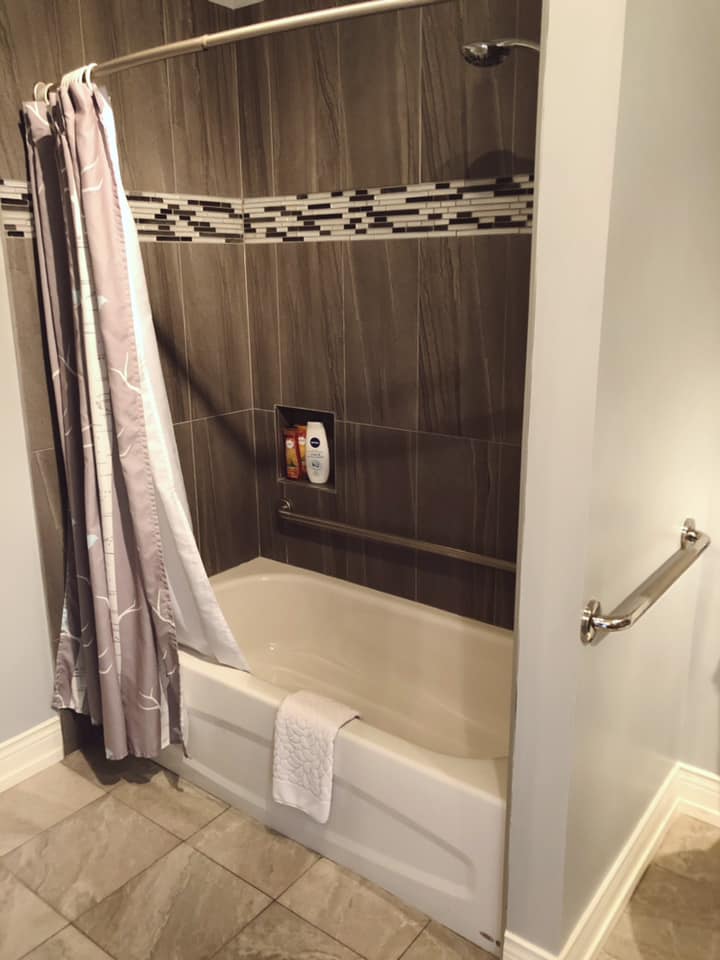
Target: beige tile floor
point(125, 861)
point(674, 913)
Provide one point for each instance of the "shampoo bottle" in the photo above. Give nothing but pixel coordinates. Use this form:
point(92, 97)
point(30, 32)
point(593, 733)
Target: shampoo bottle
point(317, 453)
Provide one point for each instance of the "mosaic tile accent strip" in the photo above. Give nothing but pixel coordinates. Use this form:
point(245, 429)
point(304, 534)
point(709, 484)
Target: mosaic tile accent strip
point(455, 208)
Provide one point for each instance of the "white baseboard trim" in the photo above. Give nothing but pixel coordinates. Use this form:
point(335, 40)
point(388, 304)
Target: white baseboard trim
point(686, 789)
point(515, 948)
point(30, 752)
point(698, 793)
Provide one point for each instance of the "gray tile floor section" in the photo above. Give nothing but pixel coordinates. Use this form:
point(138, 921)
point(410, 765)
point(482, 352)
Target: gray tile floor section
point(105, 861)
point(674, 913)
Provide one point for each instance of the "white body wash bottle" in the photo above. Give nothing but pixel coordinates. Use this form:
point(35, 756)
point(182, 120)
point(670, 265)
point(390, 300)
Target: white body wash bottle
point(317, 453)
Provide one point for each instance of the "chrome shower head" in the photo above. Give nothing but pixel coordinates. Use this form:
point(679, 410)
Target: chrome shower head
point(491, 53)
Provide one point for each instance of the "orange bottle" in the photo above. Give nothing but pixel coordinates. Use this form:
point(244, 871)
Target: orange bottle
point(292, 454)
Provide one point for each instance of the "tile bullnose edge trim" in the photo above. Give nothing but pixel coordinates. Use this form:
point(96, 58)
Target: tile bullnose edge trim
point(30, 752)
point(686, 789)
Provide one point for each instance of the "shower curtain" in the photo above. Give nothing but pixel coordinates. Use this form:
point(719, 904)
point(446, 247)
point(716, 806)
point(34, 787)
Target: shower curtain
point(135, 586)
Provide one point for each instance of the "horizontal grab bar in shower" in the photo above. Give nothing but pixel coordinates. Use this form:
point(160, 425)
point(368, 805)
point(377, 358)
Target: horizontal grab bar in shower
point(634, 606)
point(286, 512)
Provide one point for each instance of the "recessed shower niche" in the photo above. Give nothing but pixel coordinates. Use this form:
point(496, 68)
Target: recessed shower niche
point(290, 436)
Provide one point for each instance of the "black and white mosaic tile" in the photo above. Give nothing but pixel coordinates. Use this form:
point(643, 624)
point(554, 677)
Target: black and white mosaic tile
point(455, 208)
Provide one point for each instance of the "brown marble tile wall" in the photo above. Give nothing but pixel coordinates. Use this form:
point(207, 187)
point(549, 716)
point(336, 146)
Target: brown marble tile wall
point(386, 99)
point(429, 399)
point(410, 342)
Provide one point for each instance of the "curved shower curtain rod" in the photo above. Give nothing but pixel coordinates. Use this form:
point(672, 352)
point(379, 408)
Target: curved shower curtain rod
point(281, 25)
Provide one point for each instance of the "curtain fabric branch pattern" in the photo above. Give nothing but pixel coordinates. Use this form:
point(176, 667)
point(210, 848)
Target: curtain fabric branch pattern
point(134, 582)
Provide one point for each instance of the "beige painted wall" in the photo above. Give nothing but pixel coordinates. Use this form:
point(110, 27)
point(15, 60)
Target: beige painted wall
point(25, 661)
point(620, 442)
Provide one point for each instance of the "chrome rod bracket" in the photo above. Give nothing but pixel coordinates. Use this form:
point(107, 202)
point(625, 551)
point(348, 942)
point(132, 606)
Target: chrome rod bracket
point(634, 606)
point(587, 623)
point(689, 533)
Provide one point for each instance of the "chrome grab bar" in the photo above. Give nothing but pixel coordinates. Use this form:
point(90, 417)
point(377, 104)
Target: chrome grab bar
point(634, 606)
point(285, 512)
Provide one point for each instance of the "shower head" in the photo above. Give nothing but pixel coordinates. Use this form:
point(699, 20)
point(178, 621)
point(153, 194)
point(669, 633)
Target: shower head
point(491, 53)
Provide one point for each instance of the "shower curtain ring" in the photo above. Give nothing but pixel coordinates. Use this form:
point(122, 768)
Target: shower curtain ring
point(41, 91)
point(87, 73)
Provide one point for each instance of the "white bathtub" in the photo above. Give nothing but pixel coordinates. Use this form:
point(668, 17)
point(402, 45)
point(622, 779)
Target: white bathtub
point(420, 781)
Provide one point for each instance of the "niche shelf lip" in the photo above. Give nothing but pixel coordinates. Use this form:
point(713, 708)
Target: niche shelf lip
point(305, 484)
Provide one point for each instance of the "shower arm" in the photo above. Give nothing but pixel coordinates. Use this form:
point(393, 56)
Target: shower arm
point(283, 24)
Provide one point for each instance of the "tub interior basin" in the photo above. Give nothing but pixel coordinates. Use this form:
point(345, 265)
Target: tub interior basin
point(436, 679)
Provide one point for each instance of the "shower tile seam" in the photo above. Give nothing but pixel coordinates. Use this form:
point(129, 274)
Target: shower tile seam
point(215, 416)
point(425, 433)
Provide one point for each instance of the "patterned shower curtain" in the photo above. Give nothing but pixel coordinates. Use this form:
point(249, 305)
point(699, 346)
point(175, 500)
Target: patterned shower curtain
point(134, 583)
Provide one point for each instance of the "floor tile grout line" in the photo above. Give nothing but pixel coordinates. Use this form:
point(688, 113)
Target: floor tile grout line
point(318, 858)
point(130, 880)
point(160, 825)
point(211, 821)
point(320, 929)
point(98, 800)
point(92, 939)
point(43, 942)
point(241, 930)
point(57, 822)
point(415, 939)
point(227, 869)
point(185, 842)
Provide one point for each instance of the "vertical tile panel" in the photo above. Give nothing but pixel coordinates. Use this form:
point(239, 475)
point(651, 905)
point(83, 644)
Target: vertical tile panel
point(183, 439)
point(262, 290)
point(227, 505)
point(140, 97)
point(49, 515)
point(380, 494)
point(272, 541)
point(311, 325)
point(255, 107)
point(467, 112)
point(304, 88)
point(503, 614)
point(508, 500)
point(507, 533)
point(468, 493)
point(204, 102)
point(380, 75)
point(517, 292)
point(381, 329)
point(30, 344)
point(313, 549)
point(217, 329)
point(457, 506)
point(162, 272)
point(526, 88)
point(39, 40)
point(462, 316)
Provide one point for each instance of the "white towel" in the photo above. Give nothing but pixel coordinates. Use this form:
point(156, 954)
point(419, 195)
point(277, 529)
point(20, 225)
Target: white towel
point(305, 729)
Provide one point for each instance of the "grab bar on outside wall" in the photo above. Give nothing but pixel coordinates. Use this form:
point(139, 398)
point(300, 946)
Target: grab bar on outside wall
point(286, 512)
point(634, 606)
